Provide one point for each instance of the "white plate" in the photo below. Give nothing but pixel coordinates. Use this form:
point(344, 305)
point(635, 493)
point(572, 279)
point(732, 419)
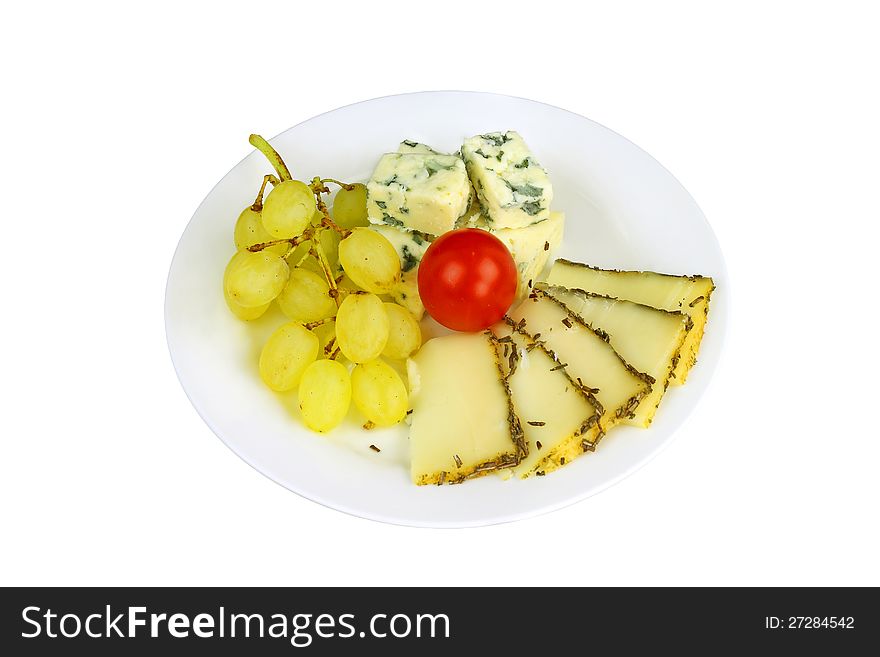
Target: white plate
point(623, 210)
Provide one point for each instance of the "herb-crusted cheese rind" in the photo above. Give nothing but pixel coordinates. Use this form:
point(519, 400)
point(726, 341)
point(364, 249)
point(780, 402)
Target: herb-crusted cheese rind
point(648, 338)
point(410, 247)
point(463, 424)
point(686, 294)
point(513, 189)
point(559, 419)
point(426, 192)
point(530, 247)
point(588, 358)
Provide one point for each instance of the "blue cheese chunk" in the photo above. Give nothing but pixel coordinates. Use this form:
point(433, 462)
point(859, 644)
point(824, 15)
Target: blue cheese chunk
point(425, 192)
point(410, 247)
point(410, 146)
point(530, 247)
point(512, 188)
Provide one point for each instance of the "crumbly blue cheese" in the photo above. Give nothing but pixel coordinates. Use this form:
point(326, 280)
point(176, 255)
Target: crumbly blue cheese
point(472, 216)
point(410, 146)
point(530, 247)
point(473, 209)
point(426, 192)
point(514, 190)
point(410, 247)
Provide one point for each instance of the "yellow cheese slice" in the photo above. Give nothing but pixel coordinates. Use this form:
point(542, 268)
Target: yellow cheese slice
point(589, 360)
point(686, 294)
point(463, 423)
point(559, 419)
point(648, 338)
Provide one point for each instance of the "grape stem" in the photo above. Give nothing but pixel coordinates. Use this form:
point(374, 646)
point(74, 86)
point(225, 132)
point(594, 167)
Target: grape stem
point(329, 346)
point(272, 155)
point(327, 220)
point(258, 202)
point(293, 241)
point(346, 186)
point(318, 251)
point(319, 322)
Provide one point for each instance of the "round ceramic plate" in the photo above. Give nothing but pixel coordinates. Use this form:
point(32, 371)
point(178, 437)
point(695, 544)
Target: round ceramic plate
point(623, 210)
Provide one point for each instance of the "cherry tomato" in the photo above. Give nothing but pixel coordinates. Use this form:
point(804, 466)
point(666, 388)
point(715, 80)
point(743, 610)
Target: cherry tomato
point(467, 279)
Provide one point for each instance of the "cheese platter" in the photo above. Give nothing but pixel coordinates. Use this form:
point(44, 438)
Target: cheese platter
point(461, 312)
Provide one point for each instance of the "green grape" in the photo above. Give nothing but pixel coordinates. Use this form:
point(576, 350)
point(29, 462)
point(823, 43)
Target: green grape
point(361, 327)
point(325, 332)
point(249, 231)
point(404, 333)
point(288, 209)
point(370, 260)
point(286, 355)
point(254, 279)
point(379, 393)
point(241, 312)
point(324, 394)
point(306, 297)
point(350, 207)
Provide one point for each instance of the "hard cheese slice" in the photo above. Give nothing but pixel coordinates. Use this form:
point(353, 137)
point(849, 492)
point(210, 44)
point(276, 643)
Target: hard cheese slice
point(648, 338)
point(590, 361)
point(560, 420)
point(463, 422)
point(687, 294)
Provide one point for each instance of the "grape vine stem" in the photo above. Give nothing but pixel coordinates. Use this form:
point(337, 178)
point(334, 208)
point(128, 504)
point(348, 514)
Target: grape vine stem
point(293, 241)
point(346, 186)
point(319, 322)
point(257, 205)
point(326, 220)
point(272, 155)
point(318, 251)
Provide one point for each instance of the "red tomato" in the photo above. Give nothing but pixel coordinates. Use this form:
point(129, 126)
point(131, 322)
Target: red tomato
point(467, 279)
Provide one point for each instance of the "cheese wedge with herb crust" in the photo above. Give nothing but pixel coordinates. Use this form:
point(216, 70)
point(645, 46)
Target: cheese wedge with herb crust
point(649, 339)
point(463, 424)
point(588, 359)
point(687, 294)
point(559, 420)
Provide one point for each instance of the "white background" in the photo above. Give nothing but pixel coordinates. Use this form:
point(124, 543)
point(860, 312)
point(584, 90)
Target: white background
point(118, 120)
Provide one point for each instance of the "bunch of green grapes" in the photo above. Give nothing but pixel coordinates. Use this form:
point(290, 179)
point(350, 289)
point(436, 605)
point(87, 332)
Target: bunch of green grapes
point(365, 329)
point(327, 273)
point(336, 361)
